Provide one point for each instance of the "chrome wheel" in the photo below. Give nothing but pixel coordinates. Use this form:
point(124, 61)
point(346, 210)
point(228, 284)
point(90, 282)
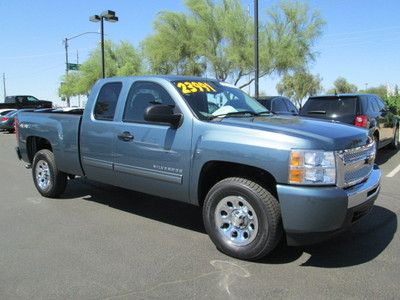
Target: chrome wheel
point(236, 220)
point(42, 173)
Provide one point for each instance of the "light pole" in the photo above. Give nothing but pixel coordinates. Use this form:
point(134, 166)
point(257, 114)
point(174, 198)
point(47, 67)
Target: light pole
point(66, 53)
point(109, 16)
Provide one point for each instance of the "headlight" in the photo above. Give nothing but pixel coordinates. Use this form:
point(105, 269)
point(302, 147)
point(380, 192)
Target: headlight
point(312, 167)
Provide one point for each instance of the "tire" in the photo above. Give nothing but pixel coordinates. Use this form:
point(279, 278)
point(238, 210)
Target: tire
point(395, 143)
point(48, 180)
point(242, 218)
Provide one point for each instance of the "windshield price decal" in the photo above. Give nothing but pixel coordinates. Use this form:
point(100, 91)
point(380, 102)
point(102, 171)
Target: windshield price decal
point(194, 87)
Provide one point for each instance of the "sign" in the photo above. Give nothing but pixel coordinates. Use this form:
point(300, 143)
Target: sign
point(73, 67)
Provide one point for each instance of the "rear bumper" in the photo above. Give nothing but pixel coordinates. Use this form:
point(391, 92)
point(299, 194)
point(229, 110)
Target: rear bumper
point(313, 214)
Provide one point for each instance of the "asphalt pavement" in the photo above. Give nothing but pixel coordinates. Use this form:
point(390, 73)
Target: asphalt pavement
point(103, 242)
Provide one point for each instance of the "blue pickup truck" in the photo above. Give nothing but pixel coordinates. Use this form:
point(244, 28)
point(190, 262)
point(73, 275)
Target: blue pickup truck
point(258, 177)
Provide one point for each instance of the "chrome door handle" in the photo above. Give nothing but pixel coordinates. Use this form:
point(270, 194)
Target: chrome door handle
point(126, 136)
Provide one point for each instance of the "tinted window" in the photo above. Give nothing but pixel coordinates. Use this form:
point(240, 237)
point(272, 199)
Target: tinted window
point(291, 106)
point(9, 99)
point(381, 104)
point(330, 106)
point(278, 105)
point(141, 96)
point(373, 104)
point(107, 101)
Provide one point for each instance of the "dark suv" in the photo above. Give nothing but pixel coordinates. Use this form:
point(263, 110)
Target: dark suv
point(278, 105)
point(362, 110)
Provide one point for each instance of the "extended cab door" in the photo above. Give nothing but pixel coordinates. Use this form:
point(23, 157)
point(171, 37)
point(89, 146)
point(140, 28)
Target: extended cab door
point(98, 132)
point(152, 158)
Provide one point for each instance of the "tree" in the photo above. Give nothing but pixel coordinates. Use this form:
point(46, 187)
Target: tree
point(299, 86)
point(218, 35)
point(120, 60)
point(341, 86)
point(380, 90)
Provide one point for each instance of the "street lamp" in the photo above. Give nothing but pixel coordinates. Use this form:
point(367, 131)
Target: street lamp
point(66, 53)
point(109, 16)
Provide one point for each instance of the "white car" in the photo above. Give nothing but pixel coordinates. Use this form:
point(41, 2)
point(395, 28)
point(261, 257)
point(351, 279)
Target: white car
point(5, 111)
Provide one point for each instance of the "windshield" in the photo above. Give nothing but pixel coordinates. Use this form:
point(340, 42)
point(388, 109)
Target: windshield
point(209, 99)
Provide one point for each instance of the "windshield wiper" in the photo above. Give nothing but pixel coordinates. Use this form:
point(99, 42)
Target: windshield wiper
point(235, 113)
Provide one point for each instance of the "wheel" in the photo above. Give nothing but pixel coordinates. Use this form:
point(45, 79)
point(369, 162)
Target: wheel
point(49, 181)
point(242, 218)
point(396, 140)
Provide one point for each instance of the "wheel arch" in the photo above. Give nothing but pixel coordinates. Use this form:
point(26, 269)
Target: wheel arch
point(35, 144)
point(215, 171)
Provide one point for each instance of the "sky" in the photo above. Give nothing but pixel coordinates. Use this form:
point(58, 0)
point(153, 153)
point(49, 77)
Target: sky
point(360, 41)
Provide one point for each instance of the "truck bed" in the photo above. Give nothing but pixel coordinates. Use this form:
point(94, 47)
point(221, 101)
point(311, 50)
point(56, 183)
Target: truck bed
point(61, 129)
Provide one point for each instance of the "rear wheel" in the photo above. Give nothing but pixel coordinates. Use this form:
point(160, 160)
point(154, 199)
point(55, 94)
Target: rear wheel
point(396, 140)
point(242, 218)
point(49, 181)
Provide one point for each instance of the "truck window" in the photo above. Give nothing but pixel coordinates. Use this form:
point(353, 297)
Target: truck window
point(31, 99)
point(107, 101)
point(142, 95)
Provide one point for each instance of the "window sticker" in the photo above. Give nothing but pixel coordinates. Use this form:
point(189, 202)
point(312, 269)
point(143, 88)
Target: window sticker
point(189, 87)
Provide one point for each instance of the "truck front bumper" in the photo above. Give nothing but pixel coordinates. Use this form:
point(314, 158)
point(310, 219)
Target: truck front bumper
point(313, 214)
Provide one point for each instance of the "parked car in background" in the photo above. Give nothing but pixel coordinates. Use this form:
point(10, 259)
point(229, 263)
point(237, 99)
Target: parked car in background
point(278, 105)
point(362, 110)
point(24, 101)
point(7, 121)
point(5, 111)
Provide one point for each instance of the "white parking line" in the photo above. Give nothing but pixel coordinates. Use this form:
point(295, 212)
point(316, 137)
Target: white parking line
point(394, 172)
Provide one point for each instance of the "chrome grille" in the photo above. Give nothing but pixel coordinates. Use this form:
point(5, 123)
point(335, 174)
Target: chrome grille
point(355, 165)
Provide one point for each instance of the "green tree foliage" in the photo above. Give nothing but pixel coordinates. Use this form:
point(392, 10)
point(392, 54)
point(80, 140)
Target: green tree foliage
point(341, 86)
point(299, 86)
point(380, 90)
point(120, 59)
point(219, 35)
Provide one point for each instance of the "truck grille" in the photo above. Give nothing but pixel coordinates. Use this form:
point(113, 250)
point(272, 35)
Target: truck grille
point(355, 165)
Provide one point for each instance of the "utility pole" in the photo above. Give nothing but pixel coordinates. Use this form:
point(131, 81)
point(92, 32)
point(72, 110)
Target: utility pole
point(256, 50)
point(77, 63)
point(66, 65)
point(4, 86)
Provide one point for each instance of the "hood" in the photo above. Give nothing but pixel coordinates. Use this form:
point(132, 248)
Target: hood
point(324, 135)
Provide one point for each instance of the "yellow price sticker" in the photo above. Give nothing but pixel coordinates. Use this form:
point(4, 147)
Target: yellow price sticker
point(189, 87)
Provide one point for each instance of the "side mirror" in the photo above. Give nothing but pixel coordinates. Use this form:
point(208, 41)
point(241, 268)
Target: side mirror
point(163, 114)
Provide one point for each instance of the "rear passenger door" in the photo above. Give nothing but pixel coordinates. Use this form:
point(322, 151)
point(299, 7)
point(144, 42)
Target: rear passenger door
point(97, 135)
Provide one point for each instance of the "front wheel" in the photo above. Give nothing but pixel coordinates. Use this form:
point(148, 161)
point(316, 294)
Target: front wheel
point(49, 181)
point(242, 218)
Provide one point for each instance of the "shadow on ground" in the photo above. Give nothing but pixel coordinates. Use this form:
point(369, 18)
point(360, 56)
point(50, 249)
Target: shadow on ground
point(384, 155)
point(365, 241)
point(163, 210)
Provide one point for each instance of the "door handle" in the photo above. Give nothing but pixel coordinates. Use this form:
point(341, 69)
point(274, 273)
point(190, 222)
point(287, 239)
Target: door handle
point(126, 136)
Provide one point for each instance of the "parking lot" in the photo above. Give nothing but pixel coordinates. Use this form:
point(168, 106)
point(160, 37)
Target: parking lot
point(104, 242)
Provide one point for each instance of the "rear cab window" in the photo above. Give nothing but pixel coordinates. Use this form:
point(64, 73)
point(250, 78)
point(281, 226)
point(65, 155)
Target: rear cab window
point(107, 101)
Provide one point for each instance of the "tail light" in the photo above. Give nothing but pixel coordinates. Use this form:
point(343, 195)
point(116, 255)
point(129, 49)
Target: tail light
point(361, 121)
point(3, 119)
